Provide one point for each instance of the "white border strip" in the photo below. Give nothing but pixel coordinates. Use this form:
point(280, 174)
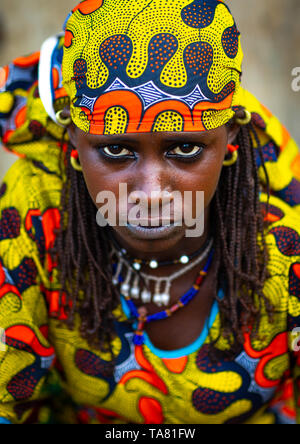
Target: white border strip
point(45, 75)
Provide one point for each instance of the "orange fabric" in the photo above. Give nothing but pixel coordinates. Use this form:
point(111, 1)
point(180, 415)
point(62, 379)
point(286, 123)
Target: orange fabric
point(151, 410)
point(21, 117)
point(26, 335)
point(176, 365)
point(276, 348)
point(87, 7)
point(24, 62)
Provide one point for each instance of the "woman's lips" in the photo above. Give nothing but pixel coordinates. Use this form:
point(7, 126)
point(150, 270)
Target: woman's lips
point(153, 231)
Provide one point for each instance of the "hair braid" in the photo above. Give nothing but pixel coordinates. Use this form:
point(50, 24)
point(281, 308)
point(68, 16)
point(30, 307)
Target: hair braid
point(242, 261)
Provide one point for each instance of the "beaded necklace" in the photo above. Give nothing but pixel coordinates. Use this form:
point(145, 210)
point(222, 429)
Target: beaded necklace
point(137, 263)
point(141, 313)
point(133, 280)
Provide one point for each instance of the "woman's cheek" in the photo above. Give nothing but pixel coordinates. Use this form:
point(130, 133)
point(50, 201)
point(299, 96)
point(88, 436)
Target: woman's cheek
point(94, 179)
point(94, 171)
point(100, 181)
point(206, 180)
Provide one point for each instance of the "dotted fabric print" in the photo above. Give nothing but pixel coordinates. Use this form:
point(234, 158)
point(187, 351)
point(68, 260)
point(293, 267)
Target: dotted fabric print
point(116, 120)
point(168, 121)
point(185, 52)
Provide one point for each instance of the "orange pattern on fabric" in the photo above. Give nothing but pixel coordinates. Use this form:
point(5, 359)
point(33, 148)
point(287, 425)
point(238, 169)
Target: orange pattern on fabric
point(296, 268)
point(266, 110)
point(24, 62)
point(7, 288)
point(271, 218)
point(56, 306)
point(176, 365)
point(295, 167)
point(68, 39)
point(285, 138)
point(20, 118)
point(88, 6)
point(138, 123)
point(105, 416)
point(27, 336)
point(51, 222)
point(55, 77)
point(151, 410)
point(148, 374)
point(277, 348)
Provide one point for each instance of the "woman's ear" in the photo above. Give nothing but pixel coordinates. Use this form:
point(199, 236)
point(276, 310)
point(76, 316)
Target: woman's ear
point(71, 128)
point(72, 133)
point(233, 131)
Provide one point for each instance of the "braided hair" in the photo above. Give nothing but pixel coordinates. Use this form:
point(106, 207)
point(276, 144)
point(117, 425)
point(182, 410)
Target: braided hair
point(81, 250)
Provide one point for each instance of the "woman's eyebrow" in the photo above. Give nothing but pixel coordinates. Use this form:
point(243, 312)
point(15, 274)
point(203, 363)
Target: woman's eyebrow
point(187, 138)
point(112, 139)
point(168, 138)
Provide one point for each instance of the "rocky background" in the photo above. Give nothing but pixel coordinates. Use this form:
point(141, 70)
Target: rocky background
point(270, 36)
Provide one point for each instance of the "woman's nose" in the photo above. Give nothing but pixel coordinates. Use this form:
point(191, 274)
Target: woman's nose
point(153, 180)
point(152, 189)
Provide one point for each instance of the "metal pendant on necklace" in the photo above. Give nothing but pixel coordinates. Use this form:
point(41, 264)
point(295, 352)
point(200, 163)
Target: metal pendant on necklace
point(136, 285)
point(162, 296)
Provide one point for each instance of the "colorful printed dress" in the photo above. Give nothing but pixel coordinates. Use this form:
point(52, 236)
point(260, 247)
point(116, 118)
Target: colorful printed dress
point(50, 374)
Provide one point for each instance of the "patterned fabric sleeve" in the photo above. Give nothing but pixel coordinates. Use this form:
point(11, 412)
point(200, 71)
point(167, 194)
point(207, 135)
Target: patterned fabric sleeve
point(294, 323)
point(285, 232)
point(283, 290)
point(26, 354)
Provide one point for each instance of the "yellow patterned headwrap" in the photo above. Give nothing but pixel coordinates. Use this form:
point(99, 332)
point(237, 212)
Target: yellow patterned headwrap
point(151, 65)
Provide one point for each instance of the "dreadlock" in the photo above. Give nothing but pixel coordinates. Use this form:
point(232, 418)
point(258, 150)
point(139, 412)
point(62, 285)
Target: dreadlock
point(241, 261)
point(82, 249)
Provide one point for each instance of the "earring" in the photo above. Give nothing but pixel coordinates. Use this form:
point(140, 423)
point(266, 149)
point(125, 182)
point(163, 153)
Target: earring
point(247, 119)
point(74, 161)
point(63, 121)
point(233, 149)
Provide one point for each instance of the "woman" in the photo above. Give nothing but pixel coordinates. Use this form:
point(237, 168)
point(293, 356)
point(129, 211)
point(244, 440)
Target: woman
point(131, 323)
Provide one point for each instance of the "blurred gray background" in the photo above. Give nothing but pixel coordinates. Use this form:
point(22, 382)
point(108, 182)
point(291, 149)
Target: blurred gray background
point(270, 36)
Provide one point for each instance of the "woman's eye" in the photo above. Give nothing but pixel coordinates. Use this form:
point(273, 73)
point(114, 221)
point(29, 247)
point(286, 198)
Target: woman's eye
point(117, 151)
point(186, 150)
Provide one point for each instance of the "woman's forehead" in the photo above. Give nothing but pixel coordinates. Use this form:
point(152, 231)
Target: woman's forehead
point(159, 137)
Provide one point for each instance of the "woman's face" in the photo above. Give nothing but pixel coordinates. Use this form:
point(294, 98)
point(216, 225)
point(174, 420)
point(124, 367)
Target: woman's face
point(157, 162)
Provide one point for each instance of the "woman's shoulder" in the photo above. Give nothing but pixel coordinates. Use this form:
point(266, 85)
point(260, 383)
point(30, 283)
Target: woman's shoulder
point(30, 183)
point(283, 224)
point(28, 199)
point(29, 216)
